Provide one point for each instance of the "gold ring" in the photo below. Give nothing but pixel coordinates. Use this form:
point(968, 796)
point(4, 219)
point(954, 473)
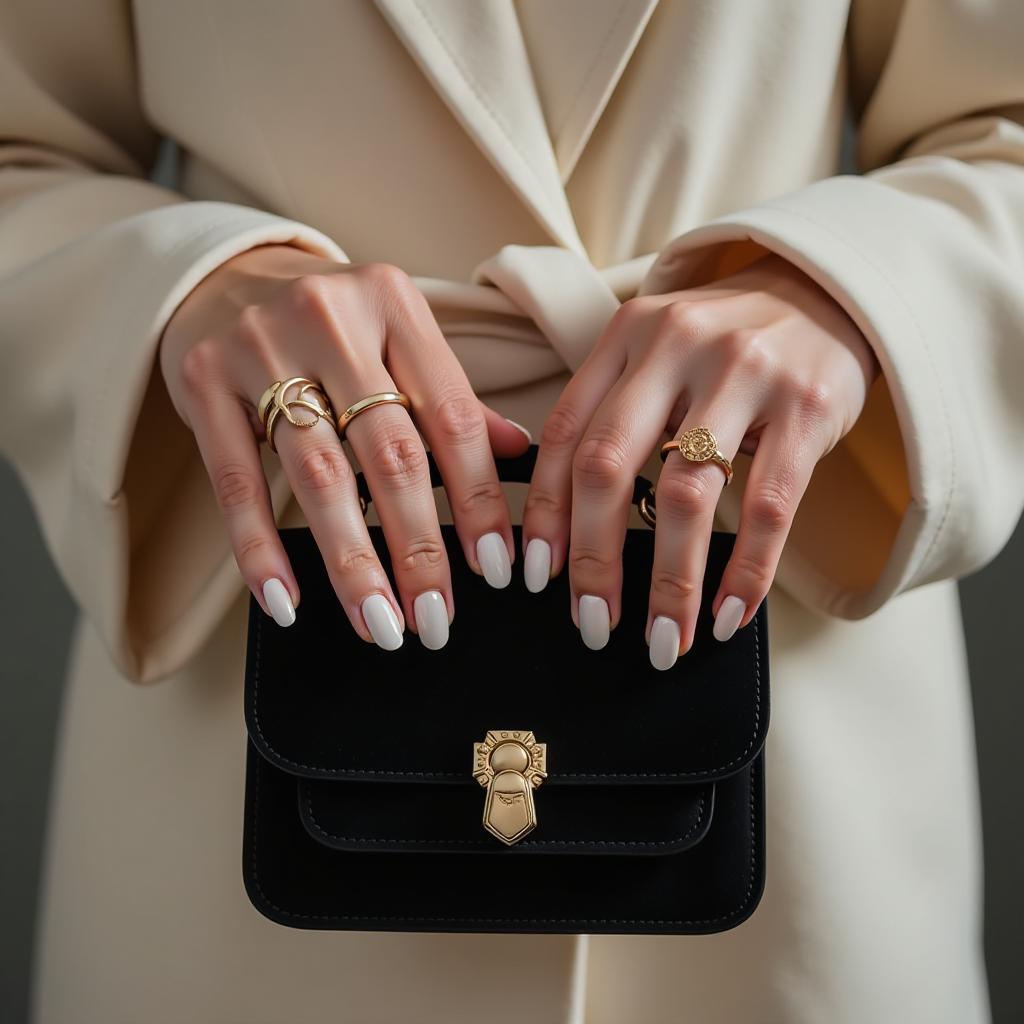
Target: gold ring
point(380, 398)
point(698, 444)
point(274, 402)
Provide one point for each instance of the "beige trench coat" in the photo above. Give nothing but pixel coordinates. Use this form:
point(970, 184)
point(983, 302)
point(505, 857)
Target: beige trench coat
point(532, 165)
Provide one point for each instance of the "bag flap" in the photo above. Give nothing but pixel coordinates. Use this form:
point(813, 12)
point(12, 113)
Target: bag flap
point(321, 702)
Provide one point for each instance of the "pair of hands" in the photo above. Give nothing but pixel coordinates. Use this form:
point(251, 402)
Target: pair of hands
point(765, 358)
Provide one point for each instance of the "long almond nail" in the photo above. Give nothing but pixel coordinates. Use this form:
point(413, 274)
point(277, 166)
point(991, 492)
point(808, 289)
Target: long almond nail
point(529, 436)
point(382, 622)
point(492, 554)
point(594, 621)
point(279, 601)
point(664, 642)
point(730, 612)
point(537, 565)
point(431, 619)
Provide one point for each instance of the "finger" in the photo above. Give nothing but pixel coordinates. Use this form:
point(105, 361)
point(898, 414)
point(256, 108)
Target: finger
point(390, 452)
point(324, 484)
point(625, 427)
point(779, 474)
point(686, 494)
point(452, 419)
point(230, 453)
point(507, 437)
point(547, 508)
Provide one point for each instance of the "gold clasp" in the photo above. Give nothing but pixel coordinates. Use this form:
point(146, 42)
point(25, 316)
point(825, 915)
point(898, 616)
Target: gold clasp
point(510, 765)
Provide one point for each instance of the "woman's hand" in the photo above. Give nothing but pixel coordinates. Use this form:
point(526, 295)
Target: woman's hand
point(771, 365)
point(277, 311)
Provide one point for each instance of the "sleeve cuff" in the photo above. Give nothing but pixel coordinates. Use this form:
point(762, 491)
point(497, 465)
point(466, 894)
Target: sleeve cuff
point(879, 503)
point(157, 566)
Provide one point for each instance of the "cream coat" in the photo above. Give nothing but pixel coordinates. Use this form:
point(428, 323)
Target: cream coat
point(532, 164)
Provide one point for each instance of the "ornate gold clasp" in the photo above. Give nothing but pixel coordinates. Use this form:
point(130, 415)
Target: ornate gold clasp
point(510, 764)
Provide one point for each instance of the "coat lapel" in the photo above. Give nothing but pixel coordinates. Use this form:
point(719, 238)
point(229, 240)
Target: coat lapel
point(472, 52)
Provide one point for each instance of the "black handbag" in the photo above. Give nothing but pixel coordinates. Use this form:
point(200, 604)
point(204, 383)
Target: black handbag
point(514, 780)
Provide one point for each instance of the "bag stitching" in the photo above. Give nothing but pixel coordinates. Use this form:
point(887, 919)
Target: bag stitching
point(398, 772)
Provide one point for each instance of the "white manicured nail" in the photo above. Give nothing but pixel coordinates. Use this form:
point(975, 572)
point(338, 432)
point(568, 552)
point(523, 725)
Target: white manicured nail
point(664, 642)
point(537, 565)
point(278, 601)
point(382, 622)
point(594, 621)
point(529, 436)
point(431, 619)
point(730, 611)
point(493, 557)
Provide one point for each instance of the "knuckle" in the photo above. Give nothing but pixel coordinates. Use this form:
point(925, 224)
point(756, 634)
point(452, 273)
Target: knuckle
point(322, 468)
point(747, 348)
point(591, 562)
point(460, 419)
point(601, 458)
point(632, 311)
point(769, 506)
point(813, 402)
point(354, 562)
point(561, 428)
point(235, 486)
point(672, 585)
point(199, 365)
point(479, 497)
point(312, 295)
point(538, 500)
point(686, 322)
point(390, 283)
point(421, 553)
point(754, 571)
point(251, 549)
point(399, 458)
point(684, 496)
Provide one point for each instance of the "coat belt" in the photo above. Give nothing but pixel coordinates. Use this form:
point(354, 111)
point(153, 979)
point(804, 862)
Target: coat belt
point(528, 312)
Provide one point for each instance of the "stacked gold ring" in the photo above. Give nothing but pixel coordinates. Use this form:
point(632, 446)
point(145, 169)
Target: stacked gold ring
point(698, 444)
point(379, 398)
point(274, 403)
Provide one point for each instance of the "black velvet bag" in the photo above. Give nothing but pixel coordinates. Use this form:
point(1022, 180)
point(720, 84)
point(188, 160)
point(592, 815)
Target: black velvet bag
point(513, 781)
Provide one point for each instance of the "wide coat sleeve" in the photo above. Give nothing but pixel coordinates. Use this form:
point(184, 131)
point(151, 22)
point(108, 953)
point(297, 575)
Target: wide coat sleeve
point(925, 251)
point(94, 259)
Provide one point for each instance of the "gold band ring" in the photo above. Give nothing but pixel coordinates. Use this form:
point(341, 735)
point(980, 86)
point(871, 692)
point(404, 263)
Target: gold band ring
point(698, 444)
point(274, 402)
point(380, 398)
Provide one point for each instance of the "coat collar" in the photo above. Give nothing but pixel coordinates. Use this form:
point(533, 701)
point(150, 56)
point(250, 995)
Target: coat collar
point(472, 53)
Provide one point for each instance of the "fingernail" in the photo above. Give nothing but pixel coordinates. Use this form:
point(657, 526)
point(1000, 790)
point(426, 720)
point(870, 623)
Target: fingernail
point(493, 557)
point(529, 436)
point(431, 619)
point(537, 565)
point(382, 622)
point(664, 642)
point(730, 611)
point(594, 621)
point(275, 593)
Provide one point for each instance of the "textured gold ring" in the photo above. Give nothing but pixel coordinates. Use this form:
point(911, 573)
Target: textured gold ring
point(698, 444)
point(379, 398)
point(275, 402)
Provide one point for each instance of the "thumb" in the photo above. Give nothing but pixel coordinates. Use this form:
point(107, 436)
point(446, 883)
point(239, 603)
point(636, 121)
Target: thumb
point(508, 438)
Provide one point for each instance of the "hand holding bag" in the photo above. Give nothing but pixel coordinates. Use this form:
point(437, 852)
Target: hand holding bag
point(514, 780)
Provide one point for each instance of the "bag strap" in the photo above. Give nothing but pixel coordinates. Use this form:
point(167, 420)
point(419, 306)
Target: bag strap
point(519, 469)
